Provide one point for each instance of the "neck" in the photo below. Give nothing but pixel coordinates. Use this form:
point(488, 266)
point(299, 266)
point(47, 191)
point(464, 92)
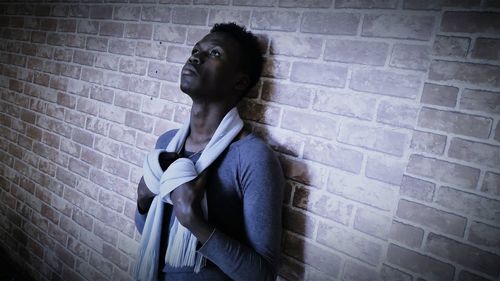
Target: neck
point(205, 118)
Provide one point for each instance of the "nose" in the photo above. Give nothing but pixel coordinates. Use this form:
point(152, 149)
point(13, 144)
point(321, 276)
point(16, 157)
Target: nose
point(194, 59)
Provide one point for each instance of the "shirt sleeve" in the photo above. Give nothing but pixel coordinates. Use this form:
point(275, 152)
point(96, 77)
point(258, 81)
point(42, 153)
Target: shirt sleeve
point(262, 185)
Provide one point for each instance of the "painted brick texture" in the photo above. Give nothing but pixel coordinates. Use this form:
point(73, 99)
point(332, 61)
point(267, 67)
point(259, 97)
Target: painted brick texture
point(385, 115)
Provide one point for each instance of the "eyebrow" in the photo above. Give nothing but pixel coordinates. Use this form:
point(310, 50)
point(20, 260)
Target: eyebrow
point(213, 43)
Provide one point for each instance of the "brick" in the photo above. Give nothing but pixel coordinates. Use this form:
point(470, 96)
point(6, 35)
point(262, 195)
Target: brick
point(428, 142)
point(463, 254)
point(357, 271)
point(189, 16)
point(455, 122)
point(133, 66)
point(417, 189)
point(330, 23)
point(497, 132)
point(240, 17)
point(115, 80)
point(75, 118)
point(151, 50)
point(478, 100)
point(475, 74)
point(283, 93)
point(122, 47)
point(364, 4)
point(438, 5)
point(259, 3)
point(385, 169)
point(291, 269)
point(429, 267)
point(373, 193)
point(471, 22)
point(82, 57)
point(92, 75)
point(121, 134)
point(475, 152)
point(349, 243)
point(386, 83)
point(388, 273)
point(399, 115)
point(355, 51)
point(449, 46)
point(113, 29)
point(97, 44)
point(409, 56)
point(127, 13)
point(134, 156)
point(491, 184)
point(66, 25)
point(111, 200)
point(307, 47)
point(484, 235)
point(416, 27)
point(88, 26)
point(162, 71)
point(82, 137)
point(309, 124)
point(155, 13)
point(372, 223)
point(275, 69)
point(320, 74)
point(298, 222)
point(138, 30)
point(486, 48)
point(101, 12)
point(162, 109)
point(287, 143)
point(466, 203)
point(265, 114)
point(143, 86)
point(433, 218)
point(373, 138)
point(406, 234)
point(350, 105)
point(306, 4)
point(274, 20)
point(467, 276)
point(88, 272)
point(313, 255)
point(178, 54)
point(169, 33)
point(439, 95)
point(106, 146)
point(447, 172)
point(332, 155)
point(323, 205)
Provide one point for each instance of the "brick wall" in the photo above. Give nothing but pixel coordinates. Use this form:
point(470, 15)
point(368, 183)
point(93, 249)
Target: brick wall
point(384, 113)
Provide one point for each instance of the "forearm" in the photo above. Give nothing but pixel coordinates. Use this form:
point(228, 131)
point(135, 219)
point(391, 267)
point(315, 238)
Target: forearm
point(240, 262)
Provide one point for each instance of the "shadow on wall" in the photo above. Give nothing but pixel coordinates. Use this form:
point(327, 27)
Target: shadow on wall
point(263, 120)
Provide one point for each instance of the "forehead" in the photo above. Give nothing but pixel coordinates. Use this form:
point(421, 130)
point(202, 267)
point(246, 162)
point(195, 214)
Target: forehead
point(225, 41)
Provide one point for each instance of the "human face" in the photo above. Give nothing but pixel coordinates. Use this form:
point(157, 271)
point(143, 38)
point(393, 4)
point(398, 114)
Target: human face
point(212, 72)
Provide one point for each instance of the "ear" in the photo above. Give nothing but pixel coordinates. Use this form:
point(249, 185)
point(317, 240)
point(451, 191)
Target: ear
point(242, 82)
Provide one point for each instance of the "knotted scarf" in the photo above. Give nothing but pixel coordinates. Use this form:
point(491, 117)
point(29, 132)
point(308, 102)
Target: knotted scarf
point(181, 249)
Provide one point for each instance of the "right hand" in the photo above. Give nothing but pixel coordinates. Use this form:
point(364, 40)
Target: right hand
point(166, 158)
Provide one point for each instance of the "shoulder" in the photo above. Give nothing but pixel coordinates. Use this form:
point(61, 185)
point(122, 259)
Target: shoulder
point(165, 138)
point(253, 150)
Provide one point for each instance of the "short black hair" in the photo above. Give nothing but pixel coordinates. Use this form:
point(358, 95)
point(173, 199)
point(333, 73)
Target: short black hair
point(251, 58)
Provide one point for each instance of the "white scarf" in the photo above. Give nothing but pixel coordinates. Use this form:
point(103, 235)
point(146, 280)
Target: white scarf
point(181, 249)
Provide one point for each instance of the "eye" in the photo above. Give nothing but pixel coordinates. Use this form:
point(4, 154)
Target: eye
point(194, 51)
point(215, 53)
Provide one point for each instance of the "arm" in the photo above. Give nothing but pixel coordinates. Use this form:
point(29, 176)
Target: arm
point(262, 185)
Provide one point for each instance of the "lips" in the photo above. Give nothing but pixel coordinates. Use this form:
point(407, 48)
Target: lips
point(189, 69)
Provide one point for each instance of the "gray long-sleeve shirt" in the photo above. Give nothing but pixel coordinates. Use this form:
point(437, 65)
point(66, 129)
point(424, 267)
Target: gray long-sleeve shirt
point(244, 194)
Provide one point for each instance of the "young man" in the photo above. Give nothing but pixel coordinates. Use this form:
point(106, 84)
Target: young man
point(230, 204)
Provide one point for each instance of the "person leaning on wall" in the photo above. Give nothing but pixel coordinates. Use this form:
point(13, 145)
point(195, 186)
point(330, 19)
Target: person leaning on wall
point(209, 203)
